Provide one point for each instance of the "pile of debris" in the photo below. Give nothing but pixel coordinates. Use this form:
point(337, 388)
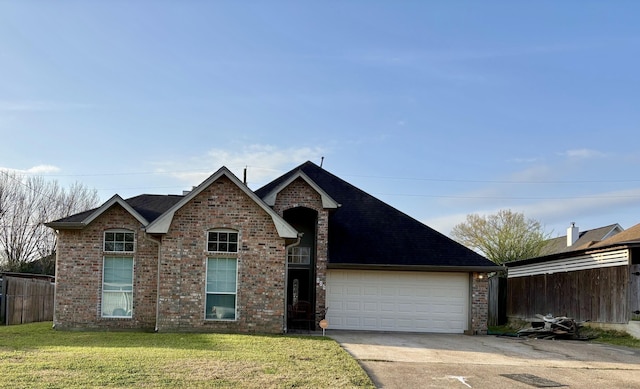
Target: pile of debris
point(550, 327)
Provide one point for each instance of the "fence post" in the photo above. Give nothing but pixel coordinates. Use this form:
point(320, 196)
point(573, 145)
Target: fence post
point(3, 301)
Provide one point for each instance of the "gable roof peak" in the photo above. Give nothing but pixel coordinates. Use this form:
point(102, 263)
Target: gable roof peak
point(327, 200)
point(91, 215)
point(161, 224)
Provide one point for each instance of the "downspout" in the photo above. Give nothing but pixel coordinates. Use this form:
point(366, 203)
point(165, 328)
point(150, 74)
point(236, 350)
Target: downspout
point(159, 243)
point(55, 283)
point(286, 278)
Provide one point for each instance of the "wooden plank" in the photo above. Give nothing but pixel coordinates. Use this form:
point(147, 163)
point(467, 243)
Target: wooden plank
point(593, 297)
point(3, 301)
point(634, 292)
point(28, 300)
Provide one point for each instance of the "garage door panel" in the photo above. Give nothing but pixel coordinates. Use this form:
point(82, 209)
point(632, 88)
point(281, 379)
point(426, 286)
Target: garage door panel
point(398, 301)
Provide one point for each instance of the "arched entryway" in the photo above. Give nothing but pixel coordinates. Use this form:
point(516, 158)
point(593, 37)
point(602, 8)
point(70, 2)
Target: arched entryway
point(301, 260)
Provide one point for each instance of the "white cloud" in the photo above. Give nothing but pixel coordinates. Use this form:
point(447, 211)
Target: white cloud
point(525, 160)
point(43, 169)
point(556, 214)
point(567, 209)
point(263, 163)
point(38, 169)
point(582, 153)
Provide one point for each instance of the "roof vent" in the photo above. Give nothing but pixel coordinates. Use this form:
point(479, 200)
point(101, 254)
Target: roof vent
point(573, 233)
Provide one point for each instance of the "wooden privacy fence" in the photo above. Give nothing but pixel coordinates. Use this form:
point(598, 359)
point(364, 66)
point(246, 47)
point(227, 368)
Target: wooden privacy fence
point(598, 295)
point(26, 300)
point(497, 300)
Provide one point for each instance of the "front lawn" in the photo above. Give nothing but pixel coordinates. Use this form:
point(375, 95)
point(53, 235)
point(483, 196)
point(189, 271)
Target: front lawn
point(34, 355)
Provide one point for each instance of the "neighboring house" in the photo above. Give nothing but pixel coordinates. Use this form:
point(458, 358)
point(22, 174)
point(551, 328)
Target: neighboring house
point(576, 239)
point(224, 258)
point(598, 281)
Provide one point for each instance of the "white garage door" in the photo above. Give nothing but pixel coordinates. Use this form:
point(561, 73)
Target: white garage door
point(398, 301)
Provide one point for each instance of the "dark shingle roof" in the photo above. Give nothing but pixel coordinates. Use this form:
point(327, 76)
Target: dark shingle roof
point(152, 206)
point(148, 206)
point(367, 231)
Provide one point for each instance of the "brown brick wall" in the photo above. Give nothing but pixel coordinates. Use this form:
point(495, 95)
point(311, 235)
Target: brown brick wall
point(79, 275)
point(479, 303)
point(261, 264)
point(261, 268)
point(300, 194)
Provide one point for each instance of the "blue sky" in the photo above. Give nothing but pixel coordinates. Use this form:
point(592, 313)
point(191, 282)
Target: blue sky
point(438, 108)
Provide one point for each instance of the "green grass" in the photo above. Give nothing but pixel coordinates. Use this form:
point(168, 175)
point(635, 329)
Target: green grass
point(594, 334)
point(618, 338)
point(35, 356)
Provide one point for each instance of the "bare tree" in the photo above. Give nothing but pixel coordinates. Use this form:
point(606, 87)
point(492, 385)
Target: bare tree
point(26, 202)
point(503, 237)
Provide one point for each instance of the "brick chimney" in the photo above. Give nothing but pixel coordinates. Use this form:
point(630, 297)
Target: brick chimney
point(573, 233)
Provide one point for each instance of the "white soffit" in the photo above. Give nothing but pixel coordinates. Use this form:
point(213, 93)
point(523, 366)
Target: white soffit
point(115, 199)
point(327, 201)
point(161, 224)
point(583, 262)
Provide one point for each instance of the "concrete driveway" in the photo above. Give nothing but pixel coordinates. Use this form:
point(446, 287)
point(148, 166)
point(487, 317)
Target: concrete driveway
point(398, 360)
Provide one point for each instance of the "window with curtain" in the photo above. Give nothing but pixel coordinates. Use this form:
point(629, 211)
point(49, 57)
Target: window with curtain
point(221, 289)
point(117, 287)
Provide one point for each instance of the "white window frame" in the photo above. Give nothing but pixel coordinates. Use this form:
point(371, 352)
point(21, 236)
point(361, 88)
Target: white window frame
point(217, 242)
point(296, 256)
point(234, 293)
point(124, 242)
point(127, 295)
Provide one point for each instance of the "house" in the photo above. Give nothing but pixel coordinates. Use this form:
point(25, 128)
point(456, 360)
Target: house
point(576, 239)
point(597, 281)
point(223, 258)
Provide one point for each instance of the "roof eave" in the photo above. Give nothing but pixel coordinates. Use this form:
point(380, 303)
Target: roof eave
point(424, 268)
point(66, 226)
point(161, 224)
point(327, 201)
point(115, 199)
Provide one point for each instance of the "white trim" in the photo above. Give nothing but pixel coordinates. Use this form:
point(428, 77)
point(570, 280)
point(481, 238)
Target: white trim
point(327, 201)
point(406, 301)
point(102, 291)
point(616, 229)
point(583, 262)
point(206, 293)
point(161, 224)
point(113, 200)
point(115, 231)
point(223, 230)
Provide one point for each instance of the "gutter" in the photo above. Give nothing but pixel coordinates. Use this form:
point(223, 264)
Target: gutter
point(159, 243)
point(425, 268)
point(66, 225)
point(286, 278)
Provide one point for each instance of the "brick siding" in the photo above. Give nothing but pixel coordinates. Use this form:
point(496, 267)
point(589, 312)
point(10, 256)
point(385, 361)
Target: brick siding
point(261, 264)
point(300, 194)
point(479, 304)
point(79, 275)
point(261, 268)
